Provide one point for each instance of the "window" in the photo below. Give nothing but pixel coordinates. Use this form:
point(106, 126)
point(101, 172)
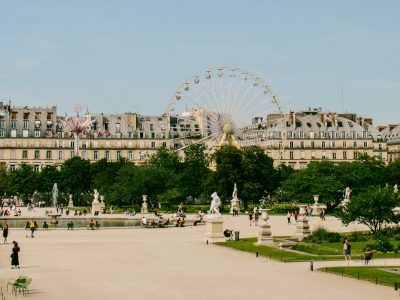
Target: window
point(95, 155)
point(290, 144)
point(344, 154)
point(11, 168)
point(24, 153)
point(333, 144)
point(48, 154)
point(312, 145)
point(153, 144)
point(151, 127)
point(71, 154)
point(344, 144)
point(71, 144)
point(153, 135)
point(323, 144)
point(37, 154)
point(354, 144)
point(36, 168)
point(60, 155)
point(291, 155)
point(365, 144)
point(25, 124)
point(312, 135)
point(130, 155)
point(302, 144)
point(13, 124)
point(380, 147)
point(141, 135)
point(118, 155)
point(324, 154)
point(108, 155)
point(334, 155)
point(2, 124)
point(37, 133)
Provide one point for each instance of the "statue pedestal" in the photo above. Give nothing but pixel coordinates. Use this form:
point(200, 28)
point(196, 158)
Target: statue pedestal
point(235, 203)
point(70, 202)
point(214, 229)
point(144, 209)
point(302, 226)
point(264, 233)
point(96, 206)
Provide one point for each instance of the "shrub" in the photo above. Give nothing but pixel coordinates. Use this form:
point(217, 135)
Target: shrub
point(397, 237)
point(356, 236)
point(322, 235)
point(382, 244)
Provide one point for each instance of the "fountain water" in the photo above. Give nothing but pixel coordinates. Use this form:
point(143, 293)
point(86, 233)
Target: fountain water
point(55, 194)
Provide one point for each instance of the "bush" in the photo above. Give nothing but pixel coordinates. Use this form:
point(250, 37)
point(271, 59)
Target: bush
point(356, 236)
point(322, 235)
point(382, 244)
point(397, 237)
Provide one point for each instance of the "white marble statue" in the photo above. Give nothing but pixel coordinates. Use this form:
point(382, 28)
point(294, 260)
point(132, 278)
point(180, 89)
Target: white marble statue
point(96, 195)
point(215, 204)
point(234, 194)
point(347, 193)
point(55, 194)
point(395, 189)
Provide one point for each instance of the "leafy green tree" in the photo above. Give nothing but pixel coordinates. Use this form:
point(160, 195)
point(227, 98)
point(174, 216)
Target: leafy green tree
point(3, 179)
point(319, 178)
point(195, 170)
point(393, 172)
point(46, 179)
point(228, 161)
point(372, 207)
point(23, 182)
point(76, 178)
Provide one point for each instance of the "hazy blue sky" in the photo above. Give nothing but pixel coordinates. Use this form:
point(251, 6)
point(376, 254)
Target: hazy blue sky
point(117, 56)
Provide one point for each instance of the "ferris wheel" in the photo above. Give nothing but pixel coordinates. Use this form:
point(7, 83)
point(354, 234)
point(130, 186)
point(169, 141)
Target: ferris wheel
point(216, 106)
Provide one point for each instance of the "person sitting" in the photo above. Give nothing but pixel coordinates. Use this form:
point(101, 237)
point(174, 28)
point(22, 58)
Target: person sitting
point(70, 225)
point(91, 224)
point(45, 225)
point(228, 234)
point(367, 256)
point(75, 213)
point(143, 221)
point(97, 225)
point(67, 212)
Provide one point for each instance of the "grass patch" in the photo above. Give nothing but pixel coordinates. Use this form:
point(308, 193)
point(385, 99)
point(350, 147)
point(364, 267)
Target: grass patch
point(317, 249)
point(247, 245)
point(372, 274)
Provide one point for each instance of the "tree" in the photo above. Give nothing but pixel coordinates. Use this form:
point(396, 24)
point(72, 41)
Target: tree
point(46, 180)
point(228, 160)
point(319, 178)
point(195, 170)
point(372, 207)
point(3, 178)
point(76, 177)
point(23, 181)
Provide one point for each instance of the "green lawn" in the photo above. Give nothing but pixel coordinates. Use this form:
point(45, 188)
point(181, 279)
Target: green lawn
point(373, 274)
point(247, 245)
point(308, 251)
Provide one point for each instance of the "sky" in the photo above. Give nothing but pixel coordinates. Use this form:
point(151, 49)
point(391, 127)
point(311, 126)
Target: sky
point(130, 56)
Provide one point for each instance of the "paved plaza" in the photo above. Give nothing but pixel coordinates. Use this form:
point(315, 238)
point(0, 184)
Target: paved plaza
point(172, 263)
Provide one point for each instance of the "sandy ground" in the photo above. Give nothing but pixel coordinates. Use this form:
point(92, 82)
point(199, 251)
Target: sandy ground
point(172, 263)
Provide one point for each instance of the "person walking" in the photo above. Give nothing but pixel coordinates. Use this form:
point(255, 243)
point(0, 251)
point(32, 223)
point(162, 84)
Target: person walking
point(32, 227)
point(250, 216)
point(347, 250)
point(15, 256)
point(5, 232)
point(289, 216)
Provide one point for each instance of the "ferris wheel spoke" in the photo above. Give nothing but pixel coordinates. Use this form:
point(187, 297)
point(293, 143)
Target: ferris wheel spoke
point(250, 103)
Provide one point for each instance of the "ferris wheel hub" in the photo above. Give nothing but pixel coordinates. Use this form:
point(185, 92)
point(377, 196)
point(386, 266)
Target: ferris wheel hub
point(228, 128)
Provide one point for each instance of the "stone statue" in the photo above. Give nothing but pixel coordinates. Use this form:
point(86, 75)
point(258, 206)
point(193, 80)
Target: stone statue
point(96, 195)
point(347, 193)
point(395, 189)
point(54, 193)
point(234, 194)
point(215, 203)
